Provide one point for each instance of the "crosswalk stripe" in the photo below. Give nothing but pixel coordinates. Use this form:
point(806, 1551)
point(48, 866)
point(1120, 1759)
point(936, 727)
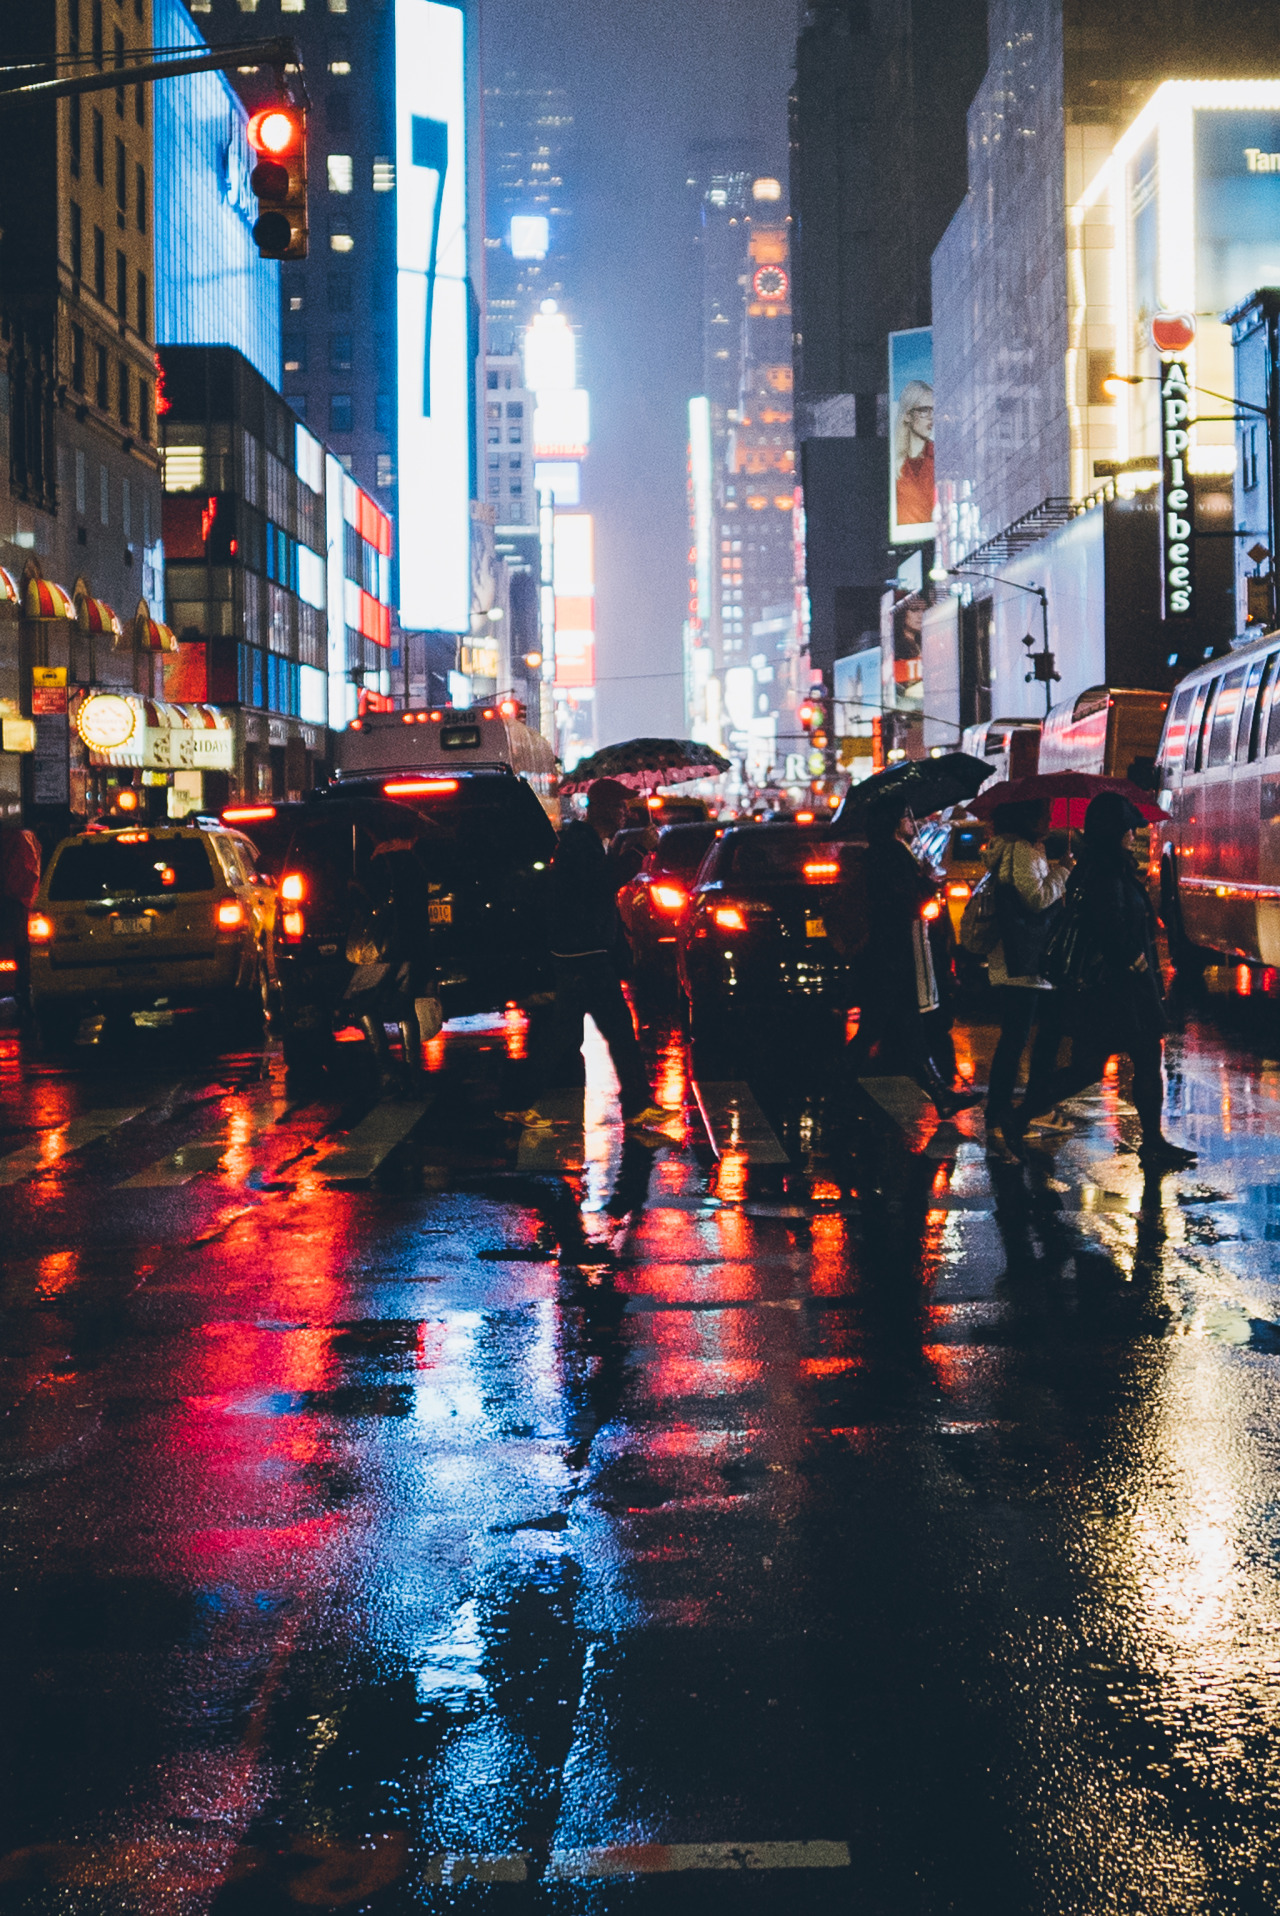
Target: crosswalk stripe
point(373, 1139)
point(557, 1144)
point(61, 1140)
point(180, 1168)
point(735, 1122)
point(648, 1859)
point(902, 1098)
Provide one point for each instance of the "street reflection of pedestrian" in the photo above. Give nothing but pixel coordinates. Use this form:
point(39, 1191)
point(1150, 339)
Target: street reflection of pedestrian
point(1029, 891)
point(588, 946)
point(1110, 991)
point(898, 990)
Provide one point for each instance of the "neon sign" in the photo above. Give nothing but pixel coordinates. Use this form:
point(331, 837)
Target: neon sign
point(1177, 583)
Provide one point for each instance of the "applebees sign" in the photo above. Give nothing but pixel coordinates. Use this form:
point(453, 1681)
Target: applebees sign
point(1177, 578)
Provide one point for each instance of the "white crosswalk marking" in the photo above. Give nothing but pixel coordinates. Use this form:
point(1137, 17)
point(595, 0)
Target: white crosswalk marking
point(62, 1139)
point(735, 1122)
point(373, 1139)
point(648, 1859)
point(184, 1165)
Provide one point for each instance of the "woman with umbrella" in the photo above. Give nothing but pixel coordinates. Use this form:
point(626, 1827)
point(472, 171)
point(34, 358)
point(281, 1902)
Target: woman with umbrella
point(1109, 978)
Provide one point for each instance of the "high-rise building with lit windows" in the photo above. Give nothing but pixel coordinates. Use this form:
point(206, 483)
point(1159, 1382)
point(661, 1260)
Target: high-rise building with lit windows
point(528, 226)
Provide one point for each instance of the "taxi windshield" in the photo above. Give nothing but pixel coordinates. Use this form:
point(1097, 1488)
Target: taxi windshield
point(147, 867)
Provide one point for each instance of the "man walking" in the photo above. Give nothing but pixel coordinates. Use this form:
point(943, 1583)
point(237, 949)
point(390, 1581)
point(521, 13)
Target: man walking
point(586, 940)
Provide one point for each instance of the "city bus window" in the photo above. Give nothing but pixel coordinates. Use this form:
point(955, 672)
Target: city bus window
point(1175, 738)
point(1206, 720)
point(1222, 736)
point(1273, 706)
point(1256, 688)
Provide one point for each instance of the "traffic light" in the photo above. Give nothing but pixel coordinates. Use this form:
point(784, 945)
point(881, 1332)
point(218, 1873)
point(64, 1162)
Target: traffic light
point(808, 714)
point(278, 135)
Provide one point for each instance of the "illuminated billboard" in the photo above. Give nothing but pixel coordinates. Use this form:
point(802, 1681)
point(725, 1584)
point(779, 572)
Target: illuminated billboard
point(433, 348)
point(575, 599)
point(561, 424)
point(911, 483)
point(530, 236)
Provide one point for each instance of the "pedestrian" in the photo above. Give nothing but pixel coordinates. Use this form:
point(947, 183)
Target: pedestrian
point(898, 990)
point(589, 954)
point(1104, 961)
point(1029, 892)
point(395, 980)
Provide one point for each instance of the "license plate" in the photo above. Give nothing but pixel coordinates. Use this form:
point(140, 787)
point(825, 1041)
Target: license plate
point(815, 928)
point(441, 912)
point(131, 927)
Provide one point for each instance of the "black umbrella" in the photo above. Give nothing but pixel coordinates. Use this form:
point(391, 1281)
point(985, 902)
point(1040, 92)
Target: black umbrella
point(918, 785)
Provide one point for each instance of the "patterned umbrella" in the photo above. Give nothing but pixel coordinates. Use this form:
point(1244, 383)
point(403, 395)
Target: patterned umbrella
point(645, 763)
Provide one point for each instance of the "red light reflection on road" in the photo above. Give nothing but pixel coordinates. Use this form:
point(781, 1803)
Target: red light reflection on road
point(433, 1053)
point(516, 1029)
point(731, 1177)
point(829, 1271)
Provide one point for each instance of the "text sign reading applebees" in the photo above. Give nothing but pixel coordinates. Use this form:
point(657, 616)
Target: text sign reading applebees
point(1177, 578)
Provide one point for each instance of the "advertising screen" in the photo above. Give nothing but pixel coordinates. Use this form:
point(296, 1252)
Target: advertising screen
point(911, 487)
point(433, 351)
point(575, 599)
point(1237, 204)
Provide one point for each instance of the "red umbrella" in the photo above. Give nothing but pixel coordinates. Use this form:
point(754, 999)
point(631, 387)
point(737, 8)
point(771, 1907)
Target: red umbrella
point(1067, 792)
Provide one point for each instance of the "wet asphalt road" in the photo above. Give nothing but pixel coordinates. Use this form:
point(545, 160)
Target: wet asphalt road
point(404, 1513)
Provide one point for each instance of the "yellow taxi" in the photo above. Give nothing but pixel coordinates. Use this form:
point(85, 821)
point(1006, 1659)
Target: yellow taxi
point(952, 848)
point(150, 922)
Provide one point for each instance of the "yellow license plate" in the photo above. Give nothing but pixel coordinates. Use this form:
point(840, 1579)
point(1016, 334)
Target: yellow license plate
point(815, 928)
point(131, 927)
point(441, 912)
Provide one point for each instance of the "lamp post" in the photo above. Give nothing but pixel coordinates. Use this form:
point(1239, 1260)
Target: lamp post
point(1268, 413)
point(1043, 664)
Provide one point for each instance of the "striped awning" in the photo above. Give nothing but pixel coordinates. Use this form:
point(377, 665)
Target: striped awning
point(152, 636)
point(45, 600)
point(95, 615)
point(10, 591)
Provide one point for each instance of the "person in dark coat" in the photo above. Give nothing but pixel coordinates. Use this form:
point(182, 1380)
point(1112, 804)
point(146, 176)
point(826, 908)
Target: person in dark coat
point(898, 989)
point(588, 952)
point(1113, 1003)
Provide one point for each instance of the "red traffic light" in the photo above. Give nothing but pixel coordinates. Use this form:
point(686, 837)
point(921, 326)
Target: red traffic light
point(276, 131)
point(808, 714)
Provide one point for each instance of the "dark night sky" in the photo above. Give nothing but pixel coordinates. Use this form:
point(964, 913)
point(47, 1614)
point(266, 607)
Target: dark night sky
point(647, 78)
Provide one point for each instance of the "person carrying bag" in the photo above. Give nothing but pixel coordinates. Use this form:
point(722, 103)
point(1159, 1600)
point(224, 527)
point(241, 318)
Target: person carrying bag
point(1024, 904)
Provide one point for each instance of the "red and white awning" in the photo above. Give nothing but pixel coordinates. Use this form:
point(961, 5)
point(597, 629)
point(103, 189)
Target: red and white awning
point(96, 616)
point(45, 600)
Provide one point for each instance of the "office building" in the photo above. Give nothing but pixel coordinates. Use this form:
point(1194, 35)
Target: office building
point(278, 570)
point(743, 639)
point(1127, 192)
point(528, 130)
point(877, 170)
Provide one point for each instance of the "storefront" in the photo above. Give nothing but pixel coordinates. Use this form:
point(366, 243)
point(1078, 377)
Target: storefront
point(124, 742)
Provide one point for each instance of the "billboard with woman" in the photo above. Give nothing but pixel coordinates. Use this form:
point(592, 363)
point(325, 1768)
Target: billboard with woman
point(911, 490)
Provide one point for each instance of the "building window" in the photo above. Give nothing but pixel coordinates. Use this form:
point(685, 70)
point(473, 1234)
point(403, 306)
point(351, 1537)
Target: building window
point(295, 302)
point(119, 62)
point(77, 242)
point(337, 6)
point(99, 150)
point(338, 113)
point(384, 176)
point(73, 24)
point(125, 383)
point(492, 382)
point(77, 358)
point(339, 292)
point(339, 352)
point(340, 412)
point(295, 353)
point(140, 105)
point(1249, 463)
point(515, 409)
point(122, 286)
point(341, 242)
point(101, 394)
point(82, 484)
point(293, 6)
point(97, 33)
point(74, 105)
point(144, 414)
point(126, 508)
point(99, 262)
point(104, 493)
point(341, 172)
point(299, 403)
point(382, 412)
point(386, 472)
point(122, 188)
point(144, 317)
point(248, 6)
point(140, 198)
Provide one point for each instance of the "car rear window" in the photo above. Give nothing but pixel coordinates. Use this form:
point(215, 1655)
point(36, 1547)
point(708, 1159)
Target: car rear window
point(682, 849)
point(967, 842)
point(493, 818)
point(774, 855)
point(151, 867)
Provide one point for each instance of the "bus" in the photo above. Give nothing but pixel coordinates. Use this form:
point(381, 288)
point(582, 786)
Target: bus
point(451, 742)
point(1010, 746)
point(1215, 862)
point(1103, 730)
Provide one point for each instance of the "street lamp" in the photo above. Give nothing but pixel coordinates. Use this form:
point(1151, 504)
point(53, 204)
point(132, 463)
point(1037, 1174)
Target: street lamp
point(1043, 664)
point(1117, 381)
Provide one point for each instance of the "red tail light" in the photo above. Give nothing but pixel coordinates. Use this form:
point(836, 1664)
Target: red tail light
point(8, 964)
point(958, 891)
point(39, 928)
point(669, 897)
point(293, 888)
point(419, 787)
point(294, 925)
point(730, 917)
point(822, 871)
point(230, 915)
point(236, 814)
point(931, 908)
point(804, 818)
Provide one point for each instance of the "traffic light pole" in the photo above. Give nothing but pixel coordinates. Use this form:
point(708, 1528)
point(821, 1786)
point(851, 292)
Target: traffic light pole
point(280, 53)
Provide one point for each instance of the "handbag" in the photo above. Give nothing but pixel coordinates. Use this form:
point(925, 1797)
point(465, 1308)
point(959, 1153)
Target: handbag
point(369, 939)
point(1073, 960)
point(1025, 934)
point(979, 926)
